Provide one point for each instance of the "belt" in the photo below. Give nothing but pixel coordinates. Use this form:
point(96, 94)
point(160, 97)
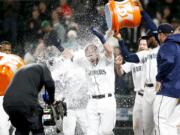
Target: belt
point(101, 96)
point(149, 85)
point(141, 94)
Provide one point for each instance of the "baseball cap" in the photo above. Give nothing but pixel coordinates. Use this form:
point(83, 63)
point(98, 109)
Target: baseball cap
point(165, 28)
point(44, 24)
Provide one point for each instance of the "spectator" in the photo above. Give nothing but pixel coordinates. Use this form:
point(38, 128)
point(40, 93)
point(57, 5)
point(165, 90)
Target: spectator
point(58, 27)
point(51, 36)
point(71, 40)
point(10, 20)
point(44, 14)
point(34, 27)
point(64, 9)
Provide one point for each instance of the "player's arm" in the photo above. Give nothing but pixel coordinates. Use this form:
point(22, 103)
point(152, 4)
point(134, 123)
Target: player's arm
point(129, 57)
point(147, 20)
point(118, 65)
point(107, 47)
point(165, 60)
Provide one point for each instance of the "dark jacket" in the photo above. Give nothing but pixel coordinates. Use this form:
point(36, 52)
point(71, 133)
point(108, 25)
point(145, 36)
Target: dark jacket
point(27, 83)
point(168, 61)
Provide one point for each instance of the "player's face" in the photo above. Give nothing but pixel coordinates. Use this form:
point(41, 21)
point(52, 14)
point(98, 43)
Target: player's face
point(161, 37)
point(5, 48)
point(92, 54)
point(143, 45)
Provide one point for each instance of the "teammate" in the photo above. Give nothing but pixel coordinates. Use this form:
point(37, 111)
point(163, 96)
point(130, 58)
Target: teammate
point(101, 108)
point(165, 105)
point(6, 47)
point(139, 81)
point(148, 59)
point(72, 86)
point(20, 100)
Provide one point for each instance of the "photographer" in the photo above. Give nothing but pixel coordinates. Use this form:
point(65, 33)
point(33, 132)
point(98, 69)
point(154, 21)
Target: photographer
point(21, 98)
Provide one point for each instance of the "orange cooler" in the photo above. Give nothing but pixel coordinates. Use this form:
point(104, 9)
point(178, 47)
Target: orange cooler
point(124, 14)
point(9, 64)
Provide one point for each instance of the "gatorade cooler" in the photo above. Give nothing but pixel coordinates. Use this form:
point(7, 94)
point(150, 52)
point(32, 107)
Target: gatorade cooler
point(124, 14)
point(9, 64)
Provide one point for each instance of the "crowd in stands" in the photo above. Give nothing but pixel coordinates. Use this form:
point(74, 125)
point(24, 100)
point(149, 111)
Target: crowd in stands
point(22, 23)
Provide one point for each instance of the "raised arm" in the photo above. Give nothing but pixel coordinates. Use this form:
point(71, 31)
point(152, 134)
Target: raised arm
point(147, 20)
point(107, 47)
point(129, 57)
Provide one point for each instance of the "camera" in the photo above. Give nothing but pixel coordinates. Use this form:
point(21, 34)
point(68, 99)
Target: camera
point(48, 116)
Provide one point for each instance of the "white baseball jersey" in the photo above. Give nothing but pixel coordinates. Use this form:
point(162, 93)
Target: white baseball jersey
point(70, 82)
point(148, 58)
point(101, 78)
point(137, 74)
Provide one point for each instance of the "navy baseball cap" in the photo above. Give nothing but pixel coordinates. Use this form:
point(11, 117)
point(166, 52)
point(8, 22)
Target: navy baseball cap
point(165, 28)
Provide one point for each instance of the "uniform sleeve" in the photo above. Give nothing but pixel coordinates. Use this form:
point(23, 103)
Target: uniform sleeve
point(149, 24)
point(127, 67)
point(142, 55)
point(129, 57)
point(165, 61)
point(49, 83)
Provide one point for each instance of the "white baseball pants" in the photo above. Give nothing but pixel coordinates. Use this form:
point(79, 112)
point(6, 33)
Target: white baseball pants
point(4, 122)
point(166, 115)
point(148, 101)
point(101, 116)
point(137, 115)
point(73, 116)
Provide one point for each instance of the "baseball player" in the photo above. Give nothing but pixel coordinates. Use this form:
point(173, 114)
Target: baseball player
point(101, 107)
point(4, 123)
point(139, 81)
point(148, 59)
point(71, 85)
point(5, 48)
point(166, 102)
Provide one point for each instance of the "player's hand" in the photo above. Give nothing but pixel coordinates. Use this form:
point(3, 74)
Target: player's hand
point(158, 86)
point(118, 36)
point(138, 4)
point(119, 60)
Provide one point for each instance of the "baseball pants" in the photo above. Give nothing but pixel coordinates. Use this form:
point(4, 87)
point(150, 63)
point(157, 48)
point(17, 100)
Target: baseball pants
point(166, 115)
point(148, 101)
point(101, 114)
point(137, 115)
point(73, 116)
point(4, 122)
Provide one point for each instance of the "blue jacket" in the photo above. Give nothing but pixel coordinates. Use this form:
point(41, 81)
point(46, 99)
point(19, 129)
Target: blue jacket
point(168, 61)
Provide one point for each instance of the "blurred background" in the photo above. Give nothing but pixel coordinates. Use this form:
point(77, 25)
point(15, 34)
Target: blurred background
point(22, 21)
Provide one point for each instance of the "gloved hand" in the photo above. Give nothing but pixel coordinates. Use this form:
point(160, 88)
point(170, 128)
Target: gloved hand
point(45, 97)
point(98, 34)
